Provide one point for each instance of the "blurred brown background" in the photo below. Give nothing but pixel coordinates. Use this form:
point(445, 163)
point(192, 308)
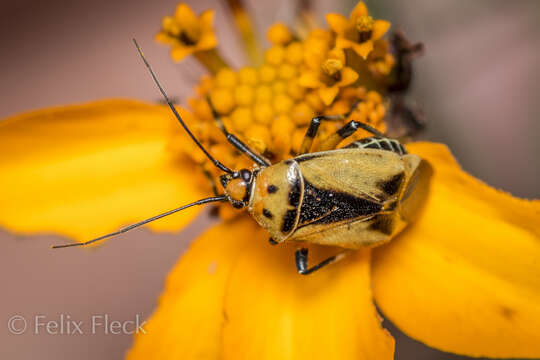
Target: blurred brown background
point(478, 84)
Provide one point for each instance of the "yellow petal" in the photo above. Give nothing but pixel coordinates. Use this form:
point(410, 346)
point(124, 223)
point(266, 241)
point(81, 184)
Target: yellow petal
point(178, 53)
point(343, 43)
point(309, 79)
point(338, 23)
point(465, 277)
point(189, 319)
point(359, 10)
point(348, 76)
point(208, 41)
point(82, 171)
point(363, 49)
point(165, 38)
point(206, 20)
point(272, 312)
point(186, 17)
point(380, 27)
point(328, 94)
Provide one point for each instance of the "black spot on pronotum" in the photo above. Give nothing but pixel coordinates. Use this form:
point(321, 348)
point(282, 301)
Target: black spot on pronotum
point(272, 189)
point(392, 186)
point(288, 221)
point(267, 214)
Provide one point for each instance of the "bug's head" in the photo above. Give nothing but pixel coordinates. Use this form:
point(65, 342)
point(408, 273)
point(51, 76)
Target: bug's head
point(237, 186)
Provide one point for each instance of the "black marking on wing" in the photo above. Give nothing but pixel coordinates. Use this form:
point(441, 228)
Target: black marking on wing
point(321, 206)
point(288, 221)
point(295, 192)
point(272, 189)
point(382, 223)
point(308, 157)
point(392, 186)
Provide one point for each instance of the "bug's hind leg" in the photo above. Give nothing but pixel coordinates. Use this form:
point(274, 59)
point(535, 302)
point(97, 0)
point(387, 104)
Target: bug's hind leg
point(347, 130)
point(313, 128)
point(301, 257)
point(236, 142)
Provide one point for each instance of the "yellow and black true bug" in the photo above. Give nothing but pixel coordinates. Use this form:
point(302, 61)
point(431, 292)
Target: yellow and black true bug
point(352, 197)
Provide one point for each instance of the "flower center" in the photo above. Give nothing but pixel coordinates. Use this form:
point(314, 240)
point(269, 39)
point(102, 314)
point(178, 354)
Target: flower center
point(364, 26)
point(331, 71)
point(187, 39)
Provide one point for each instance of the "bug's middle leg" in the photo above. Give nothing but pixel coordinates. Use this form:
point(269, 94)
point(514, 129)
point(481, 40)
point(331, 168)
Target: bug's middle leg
point(313, 128)
point(347, 130)
point(301, 256)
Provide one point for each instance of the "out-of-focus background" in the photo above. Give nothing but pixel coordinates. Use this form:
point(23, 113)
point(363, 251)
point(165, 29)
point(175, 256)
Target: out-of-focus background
point(477, 83)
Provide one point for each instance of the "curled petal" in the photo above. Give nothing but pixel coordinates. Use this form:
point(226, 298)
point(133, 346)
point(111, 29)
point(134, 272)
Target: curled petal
point(348, 76)
point(465, 277)
point(206, 20)
point(180, 52)
point(208, 41)
point(86, 170)
point(189, 319)
point(380, 27)
point(363, 49)
point(338, 23)
point(359, 10)
point(343, 43)
point(185, 16)
point(272, 312)
point(328, 94)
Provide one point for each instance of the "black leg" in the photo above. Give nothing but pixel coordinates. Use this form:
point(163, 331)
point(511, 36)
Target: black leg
point(236, 142)
point(347, 130)
point(314, 128)
point(301, 256)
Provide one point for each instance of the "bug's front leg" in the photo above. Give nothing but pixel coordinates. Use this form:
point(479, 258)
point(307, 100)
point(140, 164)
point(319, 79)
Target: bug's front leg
point(313, 128)
point(235, 141)
point(301, 256)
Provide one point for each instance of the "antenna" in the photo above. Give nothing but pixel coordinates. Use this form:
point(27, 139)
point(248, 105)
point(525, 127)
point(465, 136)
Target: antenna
point(133, 226)
point(216, 162)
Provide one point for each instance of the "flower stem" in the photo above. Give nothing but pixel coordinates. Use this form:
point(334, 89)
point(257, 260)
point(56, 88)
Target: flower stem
point(247, 31)
point(211, 60)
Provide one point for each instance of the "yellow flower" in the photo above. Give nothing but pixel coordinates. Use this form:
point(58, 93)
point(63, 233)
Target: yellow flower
point(359, 31)
point(186, 33)
point(469, 262)
point(330, 77)
point(463, 277)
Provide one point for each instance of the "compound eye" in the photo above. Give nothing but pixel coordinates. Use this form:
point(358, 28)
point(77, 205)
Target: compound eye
point(245, 174)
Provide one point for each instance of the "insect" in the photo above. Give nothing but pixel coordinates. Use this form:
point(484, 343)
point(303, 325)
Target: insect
point(351, 197)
